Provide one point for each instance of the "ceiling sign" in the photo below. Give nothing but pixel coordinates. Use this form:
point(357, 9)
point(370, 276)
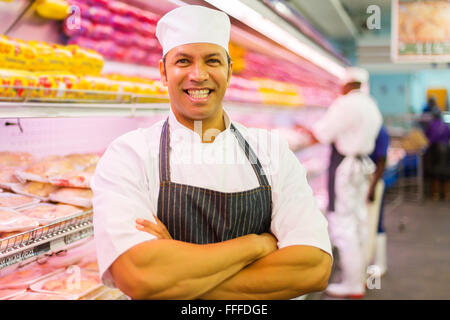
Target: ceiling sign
point(420, 31)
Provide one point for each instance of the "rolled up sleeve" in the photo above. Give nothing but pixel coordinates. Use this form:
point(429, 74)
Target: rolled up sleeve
point(120, 197)
point(296, 217)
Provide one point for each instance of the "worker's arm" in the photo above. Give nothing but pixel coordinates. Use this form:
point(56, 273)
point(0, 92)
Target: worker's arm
point(380, 166)
point(171, 269)
point(283, 274)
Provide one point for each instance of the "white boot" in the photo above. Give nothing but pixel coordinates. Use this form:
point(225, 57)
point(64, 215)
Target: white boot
point(352, 272)
point(380, 253)
point(345, 290)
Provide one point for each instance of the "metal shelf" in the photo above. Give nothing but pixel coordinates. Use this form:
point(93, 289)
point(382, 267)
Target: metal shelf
point(38, 102)
point(255, 107)
point(31, 102)
point(77, 110)
point(10, 110)
point(54, 236)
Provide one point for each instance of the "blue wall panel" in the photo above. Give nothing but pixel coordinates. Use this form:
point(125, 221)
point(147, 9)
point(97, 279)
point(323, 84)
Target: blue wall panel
point(391, 91)
point(406, 92)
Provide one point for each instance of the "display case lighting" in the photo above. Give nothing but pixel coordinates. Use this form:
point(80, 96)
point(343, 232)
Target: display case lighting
point(252, 18)
point(281, 8)
point(178, 2)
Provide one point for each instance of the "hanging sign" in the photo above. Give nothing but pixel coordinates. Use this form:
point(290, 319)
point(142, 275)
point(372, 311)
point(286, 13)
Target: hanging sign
point(420, 31)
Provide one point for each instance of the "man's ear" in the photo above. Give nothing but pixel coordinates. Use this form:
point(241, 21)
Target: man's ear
point(230, 72)
point(162, 72)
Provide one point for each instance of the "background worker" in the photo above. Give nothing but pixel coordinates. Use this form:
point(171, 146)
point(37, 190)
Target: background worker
point(351, 125)
point(437, 155)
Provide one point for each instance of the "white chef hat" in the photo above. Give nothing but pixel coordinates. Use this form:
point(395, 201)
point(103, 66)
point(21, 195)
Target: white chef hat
point(355, 74)
point(193, 24)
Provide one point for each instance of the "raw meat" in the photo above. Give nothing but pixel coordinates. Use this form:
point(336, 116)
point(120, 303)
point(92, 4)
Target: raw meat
point(41, 170)
point(7, 175)
point(34, 188)
point(12, 201)
point(9, 293)
point(74, 196)
point(23, 278)
point(66, 283)
point(45, 213)
point(15, 159)
point(30, 295)
point(13, 221)
point(73, 179)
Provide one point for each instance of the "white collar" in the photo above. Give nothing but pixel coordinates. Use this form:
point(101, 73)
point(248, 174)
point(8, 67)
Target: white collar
point(175, 125)
point(354, 91)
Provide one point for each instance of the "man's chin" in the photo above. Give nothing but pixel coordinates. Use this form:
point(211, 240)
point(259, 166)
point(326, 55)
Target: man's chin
point(200, 111)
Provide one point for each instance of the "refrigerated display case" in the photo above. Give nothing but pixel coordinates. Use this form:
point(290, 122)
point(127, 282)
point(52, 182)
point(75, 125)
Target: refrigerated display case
point(52, 116)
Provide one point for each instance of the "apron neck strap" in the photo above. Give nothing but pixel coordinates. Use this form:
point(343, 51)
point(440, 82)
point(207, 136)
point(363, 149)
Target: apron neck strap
point(164, 159)
point(251, 156)
point(164, 144)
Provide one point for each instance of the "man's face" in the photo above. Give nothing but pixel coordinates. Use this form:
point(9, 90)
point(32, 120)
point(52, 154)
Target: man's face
point(197, 76)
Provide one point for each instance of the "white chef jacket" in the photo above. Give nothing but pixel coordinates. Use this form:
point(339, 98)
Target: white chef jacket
point(352, 122)
point(126, 184)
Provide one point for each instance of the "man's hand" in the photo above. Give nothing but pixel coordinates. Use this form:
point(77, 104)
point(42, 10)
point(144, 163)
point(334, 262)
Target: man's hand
point(310, 266)
point(371, 194)
point(157, 229)
point(270, 242)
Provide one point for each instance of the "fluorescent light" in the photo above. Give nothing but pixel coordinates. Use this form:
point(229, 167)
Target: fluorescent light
point(250, 17)
point(282, 8)
point(178, 2)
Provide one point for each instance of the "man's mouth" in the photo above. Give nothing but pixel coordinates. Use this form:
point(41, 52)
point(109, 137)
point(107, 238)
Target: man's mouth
point(198, 94)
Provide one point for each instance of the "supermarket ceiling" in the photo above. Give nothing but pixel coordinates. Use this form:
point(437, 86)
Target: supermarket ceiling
point(340, 19)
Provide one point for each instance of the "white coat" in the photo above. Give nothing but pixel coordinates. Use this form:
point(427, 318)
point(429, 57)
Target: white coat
point(352, 123)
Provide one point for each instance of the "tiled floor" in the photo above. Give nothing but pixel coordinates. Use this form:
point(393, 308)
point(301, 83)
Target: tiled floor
point(418, 253)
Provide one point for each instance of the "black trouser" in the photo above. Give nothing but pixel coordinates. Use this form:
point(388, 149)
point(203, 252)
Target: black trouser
point(335, 160)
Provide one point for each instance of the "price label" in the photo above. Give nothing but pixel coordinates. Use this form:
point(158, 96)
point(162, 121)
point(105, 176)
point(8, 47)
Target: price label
point(24, 255)
point(45, 247)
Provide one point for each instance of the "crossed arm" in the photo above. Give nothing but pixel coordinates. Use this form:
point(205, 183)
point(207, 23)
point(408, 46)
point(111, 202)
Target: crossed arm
point(248, 267)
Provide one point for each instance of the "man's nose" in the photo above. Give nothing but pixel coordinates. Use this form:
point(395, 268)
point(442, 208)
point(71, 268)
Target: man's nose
point(198, 73)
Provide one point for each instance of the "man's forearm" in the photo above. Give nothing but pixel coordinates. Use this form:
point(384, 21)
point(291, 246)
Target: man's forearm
point(284, 274)
point(170, 269)
point(380, 166)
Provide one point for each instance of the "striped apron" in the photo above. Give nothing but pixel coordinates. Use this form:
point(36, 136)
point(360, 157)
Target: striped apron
point(198, 215)
point(335, 160)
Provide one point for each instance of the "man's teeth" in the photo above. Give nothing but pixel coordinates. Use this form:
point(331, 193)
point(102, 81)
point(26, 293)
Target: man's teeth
point(198, 93)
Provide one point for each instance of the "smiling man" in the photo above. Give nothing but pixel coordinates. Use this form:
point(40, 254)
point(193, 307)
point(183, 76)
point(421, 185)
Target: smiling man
point(197, 76)
point(168, 226)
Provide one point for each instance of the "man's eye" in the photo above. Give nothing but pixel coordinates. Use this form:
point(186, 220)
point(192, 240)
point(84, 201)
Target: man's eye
point(214, 61)
point(182, 61)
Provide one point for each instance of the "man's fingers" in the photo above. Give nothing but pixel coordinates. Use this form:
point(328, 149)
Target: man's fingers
point(149, 224)
point(145, 223)
point(158, 229)
point(162, 227)
point(150, 230)
point(159, 222)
